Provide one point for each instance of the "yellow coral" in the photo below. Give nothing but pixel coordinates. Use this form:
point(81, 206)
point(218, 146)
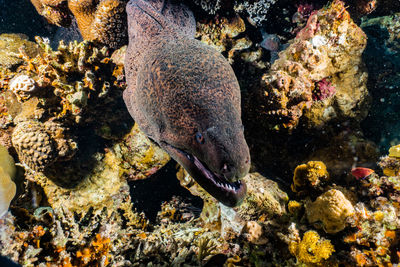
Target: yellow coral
point(332, 209)
point(294, 206)
point(310, 174)
point(7, 186)
point(312, 250)
point(394, 151)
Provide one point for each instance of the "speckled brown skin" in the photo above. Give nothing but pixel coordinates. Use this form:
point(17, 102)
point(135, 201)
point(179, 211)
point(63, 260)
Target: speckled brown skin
point(180, 89)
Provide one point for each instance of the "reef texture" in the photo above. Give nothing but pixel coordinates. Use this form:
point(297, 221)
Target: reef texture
point(320, 77)
point(75, 208)
point(313, 175)
point(9, 49)
point(332, 209)
point(99, 21)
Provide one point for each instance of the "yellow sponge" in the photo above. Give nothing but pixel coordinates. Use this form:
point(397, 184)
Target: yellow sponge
point(7, 186)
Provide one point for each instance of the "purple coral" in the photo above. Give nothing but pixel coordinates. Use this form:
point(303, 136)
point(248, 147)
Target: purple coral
point(323, 90)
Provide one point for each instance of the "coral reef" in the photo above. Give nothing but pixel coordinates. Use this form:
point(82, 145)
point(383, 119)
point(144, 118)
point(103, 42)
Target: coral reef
point(140, 156)
point(7, 173)
point(55, 11)
point(312, 250)
point(257, 11)
point(63, 121)
point(39, 145)
point(332, 209)
point(99, 21)
point(391, 163)
point(323, 62)
point(9, 49)
point(312, 175)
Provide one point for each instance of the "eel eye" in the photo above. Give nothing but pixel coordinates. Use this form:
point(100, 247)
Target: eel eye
point(200, 138)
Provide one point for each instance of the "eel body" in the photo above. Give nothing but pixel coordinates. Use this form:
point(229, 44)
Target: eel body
point(184, 96)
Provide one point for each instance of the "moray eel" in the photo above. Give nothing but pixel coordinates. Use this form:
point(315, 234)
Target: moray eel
point(185, 97)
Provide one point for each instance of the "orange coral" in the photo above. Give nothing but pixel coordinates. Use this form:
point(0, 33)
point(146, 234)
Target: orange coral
point(96, 253)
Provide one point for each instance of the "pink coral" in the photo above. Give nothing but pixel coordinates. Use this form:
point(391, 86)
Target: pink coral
point(323, 90)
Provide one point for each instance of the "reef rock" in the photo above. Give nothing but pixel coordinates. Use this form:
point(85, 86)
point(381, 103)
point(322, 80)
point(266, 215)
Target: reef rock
point(320, 76)
point(332, 209)
point(140, 156)
point(264, 200)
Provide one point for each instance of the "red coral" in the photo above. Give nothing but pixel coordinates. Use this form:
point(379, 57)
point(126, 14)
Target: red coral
point(323, 90)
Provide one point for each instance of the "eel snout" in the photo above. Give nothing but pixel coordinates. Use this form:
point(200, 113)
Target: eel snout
point(225, 186)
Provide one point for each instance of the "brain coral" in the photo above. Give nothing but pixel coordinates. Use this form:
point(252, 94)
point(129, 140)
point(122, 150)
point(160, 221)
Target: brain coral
point(34, 145)
point(332, 209)
point(327, 49)
point(40, 144)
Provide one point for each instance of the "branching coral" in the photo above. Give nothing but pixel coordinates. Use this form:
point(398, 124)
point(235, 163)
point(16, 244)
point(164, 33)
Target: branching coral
point(73, 76)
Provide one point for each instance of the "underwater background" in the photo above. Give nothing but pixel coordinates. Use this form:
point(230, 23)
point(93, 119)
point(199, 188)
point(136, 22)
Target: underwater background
point(82, 185)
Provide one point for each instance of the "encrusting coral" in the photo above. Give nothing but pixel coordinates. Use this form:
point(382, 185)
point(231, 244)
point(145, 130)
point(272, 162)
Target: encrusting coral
point(320, 76)
point(99, 21)
point(7, 186)
point(332, 209)
point(10, 44)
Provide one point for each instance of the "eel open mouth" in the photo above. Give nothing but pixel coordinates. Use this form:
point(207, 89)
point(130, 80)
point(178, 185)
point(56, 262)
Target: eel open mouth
point(228, 193)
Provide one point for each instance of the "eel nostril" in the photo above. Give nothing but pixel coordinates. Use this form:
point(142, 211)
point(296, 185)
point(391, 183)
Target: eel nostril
point(225, 168)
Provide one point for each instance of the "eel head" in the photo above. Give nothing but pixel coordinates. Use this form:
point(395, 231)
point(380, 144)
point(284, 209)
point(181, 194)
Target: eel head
point(216, 158)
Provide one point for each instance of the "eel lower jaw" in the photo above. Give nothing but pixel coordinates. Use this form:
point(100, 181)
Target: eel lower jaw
point(230, 194)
